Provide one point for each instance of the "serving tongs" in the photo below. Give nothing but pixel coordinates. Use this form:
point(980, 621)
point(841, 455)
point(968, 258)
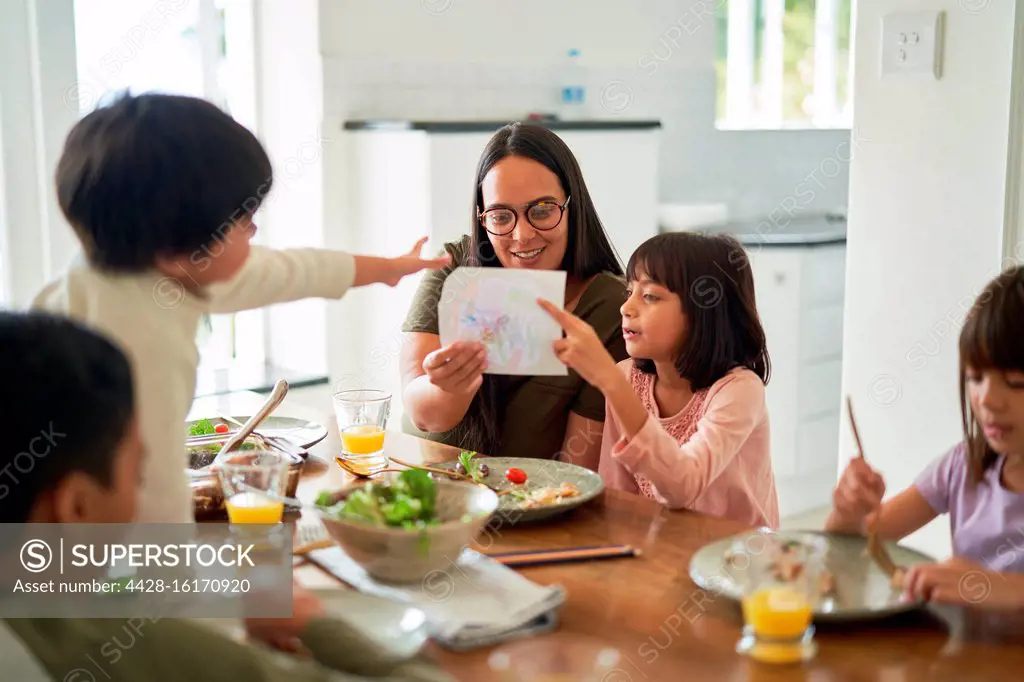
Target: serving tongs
point(273, 400)
point(875, 547)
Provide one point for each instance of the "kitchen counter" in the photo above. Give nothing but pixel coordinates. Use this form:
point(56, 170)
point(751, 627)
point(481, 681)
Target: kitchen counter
point(491, 126)
point(800, 231)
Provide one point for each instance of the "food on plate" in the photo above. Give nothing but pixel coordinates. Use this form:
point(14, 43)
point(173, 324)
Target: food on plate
point(221, 428)
point(517, 476)
point(517, 489)
point(787, 566)
point(467, 466)
point(200, 456)
point(409, 501)
point(541, 497)
point(202, 427)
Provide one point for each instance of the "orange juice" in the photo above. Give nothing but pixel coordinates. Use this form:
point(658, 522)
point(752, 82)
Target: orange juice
point(777, 612)
point(366, 439)
point(254, 508)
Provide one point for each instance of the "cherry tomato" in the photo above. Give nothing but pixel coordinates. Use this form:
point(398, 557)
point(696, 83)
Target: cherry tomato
point(516, 475)
point(221, 428)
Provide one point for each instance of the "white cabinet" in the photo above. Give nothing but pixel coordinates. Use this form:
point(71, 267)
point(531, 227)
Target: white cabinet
point(800, 300)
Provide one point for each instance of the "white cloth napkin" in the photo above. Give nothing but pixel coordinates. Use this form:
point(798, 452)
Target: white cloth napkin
point(474, 602)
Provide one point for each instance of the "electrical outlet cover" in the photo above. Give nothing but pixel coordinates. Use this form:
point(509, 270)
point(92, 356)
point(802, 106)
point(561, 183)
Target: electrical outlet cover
point(912, 43)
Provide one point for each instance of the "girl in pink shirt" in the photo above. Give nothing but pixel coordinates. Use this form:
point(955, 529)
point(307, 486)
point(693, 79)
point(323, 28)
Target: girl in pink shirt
point(686, 422)
point(978, 483)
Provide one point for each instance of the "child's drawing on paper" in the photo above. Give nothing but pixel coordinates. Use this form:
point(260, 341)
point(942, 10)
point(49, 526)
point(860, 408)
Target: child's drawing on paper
point(499, 308)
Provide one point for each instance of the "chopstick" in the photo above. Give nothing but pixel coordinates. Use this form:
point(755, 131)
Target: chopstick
point(877, 550)
point(853, 425)
point(548, 557)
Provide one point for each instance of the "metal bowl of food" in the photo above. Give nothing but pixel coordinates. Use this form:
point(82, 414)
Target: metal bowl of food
point(207, 495)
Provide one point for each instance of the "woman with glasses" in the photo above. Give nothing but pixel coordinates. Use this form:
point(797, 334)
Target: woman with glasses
point(533, 211)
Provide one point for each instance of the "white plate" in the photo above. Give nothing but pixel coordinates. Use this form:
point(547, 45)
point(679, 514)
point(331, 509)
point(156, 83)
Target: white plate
point(302, 432)
point(400, 628)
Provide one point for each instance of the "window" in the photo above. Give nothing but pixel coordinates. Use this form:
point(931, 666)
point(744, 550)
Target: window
point(784, 64)
point(202, 48)
point(3, 233)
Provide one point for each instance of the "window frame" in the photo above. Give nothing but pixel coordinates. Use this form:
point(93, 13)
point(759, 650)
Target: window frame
point(744, 36)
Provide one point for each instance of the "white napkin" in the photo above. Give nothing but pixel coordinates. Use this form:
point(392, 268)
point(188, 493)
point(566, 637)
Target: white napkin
point(472, 603)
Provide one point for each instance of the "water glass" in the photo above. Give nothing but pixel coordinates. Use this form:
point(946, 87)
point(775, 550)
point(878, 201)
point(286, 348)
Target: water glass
point(362, 417)
point(561, 657)
point(781, 587)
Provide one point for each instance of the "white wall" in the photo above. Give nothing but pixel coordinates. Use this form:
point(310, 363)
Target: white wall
point(289, 92)
point(927, 191)
point(493, 58)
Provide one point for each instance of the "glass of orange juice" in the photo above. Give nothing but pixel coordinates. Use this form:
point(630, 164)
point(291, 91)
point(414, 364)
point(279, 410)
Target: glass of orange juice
point(780, 592)
point(254, 482)
point(362, 416)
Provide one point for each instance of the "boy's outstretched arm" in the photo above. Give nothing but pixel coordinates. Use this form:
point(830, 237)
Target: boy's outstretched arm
point(373, 269)
point(278, 276)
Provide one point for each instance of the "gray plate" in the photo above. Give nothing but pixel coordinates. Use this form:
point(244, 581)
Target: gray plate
point(302, 432)
point(541, 473)
point(863, 591)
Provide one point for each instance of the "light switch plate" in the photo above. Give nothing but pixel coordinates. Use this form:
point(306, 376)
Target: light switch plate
point(912, 43)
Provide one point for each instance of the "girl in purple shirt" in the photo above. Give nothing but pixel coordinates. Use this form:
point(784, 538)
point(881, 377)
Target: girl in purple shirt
point(979, 482)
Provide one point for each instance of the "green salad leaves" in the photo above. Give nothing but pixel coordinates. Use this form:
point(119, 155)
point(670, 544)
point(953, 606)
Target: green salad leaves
point(472, 468)
point(203, 427)
point(408, 502)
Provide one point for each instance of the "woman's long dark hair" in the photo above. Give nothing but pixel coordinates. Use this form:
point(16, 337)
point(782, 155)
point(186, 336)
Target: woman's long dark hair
point(711, 275)
point(588, 252)
point(992, 338)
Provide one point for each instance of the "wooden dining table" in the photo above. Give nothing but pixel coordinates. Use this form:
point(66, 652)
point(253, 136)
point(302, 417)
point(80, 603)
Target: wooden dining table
point(665, 627)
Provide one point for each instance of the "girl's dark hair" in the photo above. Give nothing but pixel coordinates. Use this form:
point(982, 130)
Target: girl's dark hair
point(157, 174)
point(992, 337)
point(712, 277)
point(68, 404)
point(588, 253)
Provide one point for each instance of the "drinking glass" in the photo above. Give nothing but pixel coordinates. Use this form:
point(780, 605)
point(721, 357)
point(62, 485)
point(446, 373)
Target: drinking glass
point(362, 417)
point(781, 586)
point(254, 482)
point(561, 657)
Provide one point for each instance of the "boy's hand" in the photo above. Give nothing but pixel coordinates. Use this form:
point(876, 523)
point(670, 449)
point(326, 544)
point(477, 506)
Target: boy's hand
point(390, 271)
point(581, 349)
point(284, 633)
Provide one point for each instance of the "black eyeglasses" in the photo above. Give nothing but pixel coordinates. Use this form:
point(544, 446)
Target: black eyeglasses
point(543, 215)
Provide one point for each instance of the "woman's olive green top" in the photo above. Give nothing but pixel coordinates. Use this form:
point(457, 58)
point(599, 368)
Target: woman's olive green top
point(538, 407)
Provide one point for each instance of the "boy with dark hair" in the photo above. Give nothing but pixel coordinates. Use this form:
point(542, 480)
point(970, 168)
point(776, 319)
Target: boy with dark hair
point(161, 191)
point(71, 453)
